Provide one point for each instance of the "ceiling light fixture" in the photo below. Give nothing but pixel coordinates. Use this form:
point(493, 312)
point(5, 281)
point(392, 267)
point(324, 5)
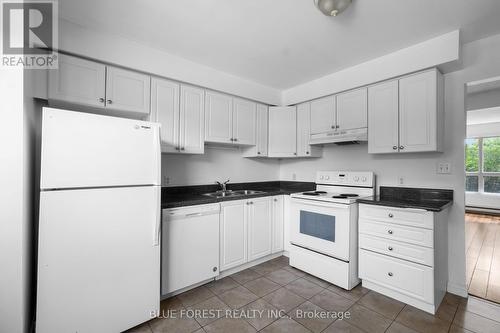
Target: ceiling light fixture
point(332, 7)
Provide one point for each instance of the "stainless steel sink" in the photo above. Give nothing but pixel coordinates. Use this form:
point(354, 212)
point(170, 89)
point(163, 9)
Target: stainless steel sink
point(248, 192)
point(224, 194)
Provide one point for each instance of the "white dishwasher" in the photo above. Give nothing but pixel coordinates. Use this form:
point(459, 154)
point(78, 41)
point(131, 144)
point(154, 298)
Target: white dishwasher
point(190, 246)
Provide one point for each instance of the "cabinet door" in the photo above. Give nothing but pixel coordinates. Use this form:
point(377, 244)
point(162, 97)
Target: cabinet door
point(244, 122)
point(127, 91)
point(278, 223)
point(352, 109)
point(418, 112)
point(233, 234)
point(323, 115)
point(165, 110)
point(383, 118)
point(259, 227)
point(262, 129)
point(218, 117)
point(192, 120)
point(283, 131)
point(78, 81)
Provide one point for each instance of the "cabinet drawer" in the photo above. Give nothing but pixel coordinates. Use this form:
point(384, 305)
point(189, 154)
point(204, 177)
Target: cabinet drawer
point(399, 275)
point(417, 236)
point(405, 216)
point(414, 253)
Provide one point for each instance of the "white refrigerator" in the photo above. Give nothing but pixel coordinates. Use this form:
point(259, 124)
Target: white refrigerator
point(99, 224)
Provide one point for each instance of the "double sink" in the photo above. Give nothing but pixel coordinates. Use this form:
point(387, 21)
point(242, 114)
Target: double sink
point(229, 193)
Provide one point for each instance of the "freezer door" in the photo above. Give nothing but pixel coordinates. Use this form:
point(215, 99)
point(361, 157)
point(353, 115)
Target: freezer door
point(81, 150)
point(98, 259)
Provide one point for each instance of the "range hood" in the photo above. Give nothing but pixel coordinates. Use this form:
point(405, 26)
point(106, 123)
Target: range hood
point(340, 136)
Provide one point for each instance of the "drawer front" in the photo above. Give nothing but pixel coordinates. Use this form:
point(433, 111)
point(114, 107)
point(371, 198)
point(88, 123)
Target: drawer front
point(414, 253)
point(399, 275)
point(404, 216)
point(412, 235)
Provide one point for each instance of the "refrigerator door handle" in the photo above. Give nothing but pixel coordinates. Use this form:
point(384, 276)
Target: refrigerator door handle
point(156, 229)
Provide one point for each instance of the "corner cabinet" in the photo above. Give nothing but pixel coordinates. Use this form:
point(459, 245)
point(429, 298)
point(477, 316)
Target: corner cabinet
point(230, 120)
point(406, 115)
point(180, 110)
point(261, 148)
point(304, 149)
point(283, 131)
point(115, 90)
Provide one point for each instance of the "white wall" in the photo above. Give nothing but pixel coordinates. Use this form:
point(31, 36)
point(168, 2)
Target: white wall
point(124, 52)
point(217, 164)
point(434, 52)
point(480, 60)
point(15, 214)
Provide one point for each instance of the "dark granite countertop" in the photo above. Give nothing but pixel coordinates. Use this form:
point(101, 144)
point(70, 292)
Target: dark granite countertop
point(434, 200)
point(179, 196)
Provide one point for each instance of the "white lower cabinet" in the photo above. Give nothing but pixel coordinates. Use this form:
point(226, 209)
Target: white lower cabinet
point(403, 254)
point(233, 234)
point(250, 229)
point(260, 227)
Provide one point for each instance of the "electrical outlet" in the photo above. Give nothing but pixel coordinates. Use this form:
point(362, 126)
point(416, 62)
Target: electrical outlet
point(401, 180)
point(444, 168)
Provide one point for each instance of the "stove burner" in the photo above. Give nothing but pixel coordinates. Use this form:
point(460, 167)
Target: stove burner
point(340, 197)
point(320, 192)
point(310, 193)
point(349, 195)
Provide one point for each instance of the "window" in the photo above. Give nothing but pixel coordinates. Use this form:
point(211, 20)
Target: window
point(482, 165)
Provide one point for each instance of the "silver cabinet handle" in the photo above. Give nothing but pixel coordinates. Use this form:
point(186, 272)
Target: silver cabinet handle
point(235, 140)
point(307, 153)
point(390, 248)
point(401, 147)
point(338, 126)
point(214, 269)
point(109, 101)
point(231, 139)
point(258, 153)
point(182, 148)
point(295, 153)
point(389, 232)
point(390, 274)
point(193, 214)
point(333, 126)
point(390, 215)
point(101, 100)
point(394, 147)
point(275, 200)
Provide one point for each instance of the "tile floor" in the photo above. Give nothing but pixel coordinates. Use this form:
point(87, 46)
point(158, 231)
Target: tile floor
point(275, 285)
point(483, 255)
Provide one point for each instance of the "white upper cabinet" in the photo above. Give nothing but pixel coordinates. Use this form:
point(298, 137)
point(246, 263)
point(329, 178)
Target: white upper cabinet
point(165, 107)
point(282, 131)
point(259, 227)
point(304, 149)
point(218, 117)
point(127, 91)
point(78, 81)
point(352, 109)
point(180, 110)
point(323, 115)
point(88, 83)
point(406, 115)
point(418, 112)
point(244, 122)
point(191, 120)
point(230, 120)
point(383, 117)
point(260, 149)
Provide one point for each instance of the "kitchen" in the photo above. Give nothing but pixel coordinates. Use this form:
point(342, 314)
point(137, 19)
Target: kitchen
point(273, 133)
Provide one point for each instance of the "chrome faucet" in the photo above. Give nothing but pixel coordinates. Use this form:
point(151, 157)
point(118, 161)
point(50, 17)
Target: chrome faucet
point(223, 185)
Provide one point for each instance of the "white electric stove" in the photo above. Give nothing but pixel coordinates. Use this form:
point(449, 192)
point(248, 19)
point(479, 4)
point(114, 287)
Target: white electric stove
point(324, 226)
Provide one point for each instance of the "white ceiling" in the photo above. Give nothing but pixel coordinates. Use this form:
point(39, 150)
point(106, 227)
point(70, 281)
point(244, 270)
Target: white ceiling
point(483, 116)
point(282, 43)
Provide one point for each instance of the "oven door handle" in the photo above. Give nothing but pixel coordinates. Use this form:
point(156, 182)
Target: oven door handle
point(319, 204)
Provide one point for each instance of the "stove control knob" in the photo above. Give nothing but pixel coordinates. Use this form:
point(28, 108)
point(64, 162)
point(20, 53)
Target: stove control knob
point(356, 179)
point(321, 177)
point(327, 177)
point(363, 179)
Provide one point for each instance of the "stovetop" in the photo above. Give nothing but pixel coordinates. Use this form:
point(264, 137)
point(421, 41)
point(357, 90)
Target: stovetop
point(336, 197)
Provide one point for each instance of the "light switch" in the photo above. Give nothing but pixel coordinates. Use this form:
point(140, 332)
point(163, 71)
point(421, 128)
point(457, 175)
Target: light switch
point(444, 168)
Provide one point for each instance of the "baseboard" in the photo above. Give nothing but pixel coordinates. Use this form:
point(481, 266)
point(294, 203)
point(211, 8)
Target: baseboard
point(457, 289)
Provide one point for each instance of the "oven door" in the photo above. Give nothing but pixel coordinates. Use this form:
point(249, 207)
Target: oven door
point(323, 227)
